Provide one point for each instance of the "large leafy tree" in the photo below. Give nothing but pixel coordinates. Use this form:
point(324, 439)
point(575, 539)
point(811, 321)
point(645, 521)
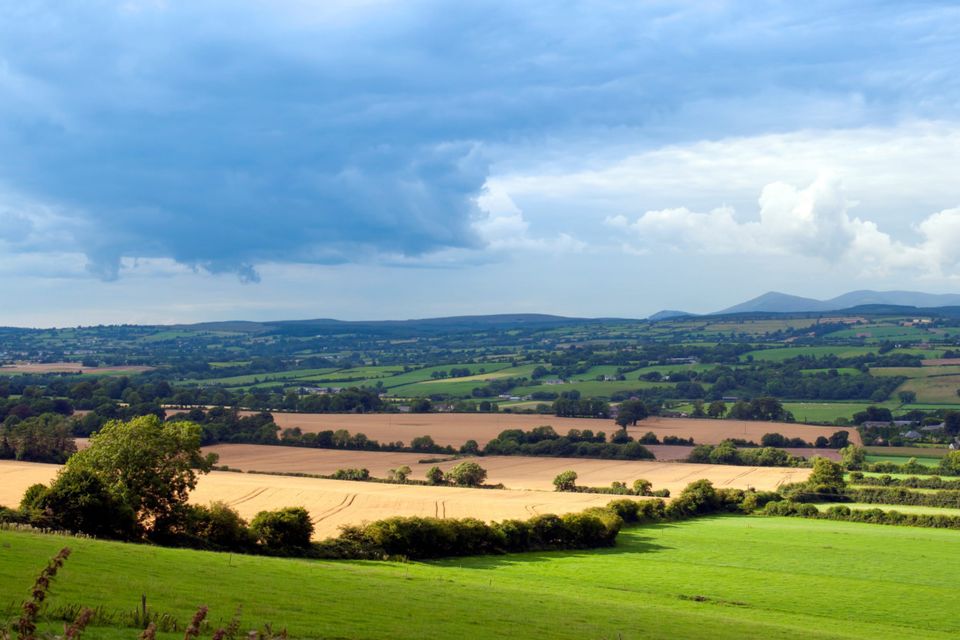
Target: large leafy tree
point(149, 465)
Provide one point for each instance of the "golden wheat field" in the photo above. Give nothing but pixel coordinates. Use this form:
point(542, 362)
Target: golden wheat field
point(514, 472)
point(456, 428)
point(333, 503)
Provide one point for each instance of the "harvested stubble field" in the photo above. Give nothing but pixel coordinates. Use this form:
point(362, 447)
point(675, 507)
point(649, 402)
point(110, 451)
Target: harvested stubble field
point(69, 367)
point(514, 472)
point(456, 428)
point(335, 502)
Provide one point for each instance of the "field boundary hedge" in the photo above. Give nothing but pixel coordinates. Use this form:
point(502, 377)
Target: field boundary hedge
point(844, 513)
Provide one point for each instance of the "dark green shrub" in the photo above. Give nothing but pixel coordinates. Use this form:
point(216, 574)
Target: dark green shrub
point(697, 498)
point(351, 474)
point(288, 528)
point(78, 501)
point(219, 526)
point(467, 474)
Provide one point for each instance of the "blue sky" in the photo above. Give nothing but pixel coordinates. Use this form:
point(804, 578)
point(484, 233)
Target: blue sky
point(165, 161)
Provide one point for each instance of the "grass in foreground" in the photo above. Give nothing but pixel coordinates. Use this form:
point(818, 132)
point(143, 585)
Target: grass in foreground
point(722, 577)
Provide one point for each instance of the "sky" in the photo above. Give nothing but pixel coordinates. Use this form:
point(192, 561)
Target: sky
point(174, 161)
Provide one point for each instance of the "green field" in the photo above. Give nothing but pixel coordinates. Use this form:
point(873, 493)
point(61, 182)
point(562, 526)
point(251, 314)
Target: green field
point(880, 332)
point(594, 389)
point(828, 412)
point(925, 461)
point(902, 508)
point(924, 450)
point(420, 383)
point(722, 577)
point(934, 390)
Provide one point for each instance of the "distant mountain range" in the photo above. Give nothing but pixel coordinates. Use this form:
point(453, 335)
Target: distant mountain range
point(776, 302)
point(418, 327)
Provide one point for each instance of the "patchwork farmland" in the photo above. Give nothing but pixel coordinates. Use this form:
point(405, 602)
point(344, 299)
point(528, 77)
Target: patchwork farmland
point(454, 429)
point(514, 472)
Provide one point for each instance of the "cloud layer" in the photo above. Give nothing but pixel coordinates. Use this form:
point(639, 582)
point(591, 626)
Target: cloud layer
point(814, 222)
point(227, 135)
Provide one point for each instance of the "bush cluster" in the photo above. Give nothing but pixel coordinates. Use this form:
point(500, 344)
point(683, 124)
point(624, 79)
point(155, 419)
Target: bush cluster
point(698, 498)
point(728, 453)
point(544, 441)
point(567, 481)
point(651, 438)
point(420, 538)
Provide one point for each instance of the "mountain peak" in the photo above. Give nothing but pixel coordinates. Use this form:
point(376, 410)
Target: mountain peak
point(776, 302)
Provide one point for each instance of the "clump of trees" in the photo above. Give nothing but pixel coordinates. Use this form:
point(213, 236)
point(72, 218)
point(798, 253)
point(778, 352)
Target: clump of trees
point(544, 441)
point(766, 408)
point(284, 531)
point(651, 438)
point(466, 474)
point(571, 405)
point(567, 481)
point(131, 482)
point(420, 538)
point(44, 438)
point(727, 452)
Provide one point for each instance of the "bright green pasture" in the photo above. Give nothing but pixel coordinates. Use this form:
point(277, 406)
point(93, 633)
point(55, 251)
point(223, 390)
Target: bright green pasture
point(599, 370)
point(425, 385)
point(902, 508)
point(758, 327)
point(253, 378)
point(667, 369)
point(827, 411)
point(593, 388)
point(884, 332)
point(723, 577)
point(925, 461)
point(356, 373)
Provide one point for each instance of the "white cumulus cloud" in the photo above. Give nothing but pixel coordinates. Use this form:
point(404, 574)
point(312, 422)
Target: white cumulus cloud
point(814, 222)
point(503, 227)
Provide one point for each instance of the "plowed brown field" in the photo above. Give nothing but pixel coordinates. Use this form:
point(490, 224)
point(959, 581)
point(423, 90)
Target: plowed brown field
point(456, 428)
